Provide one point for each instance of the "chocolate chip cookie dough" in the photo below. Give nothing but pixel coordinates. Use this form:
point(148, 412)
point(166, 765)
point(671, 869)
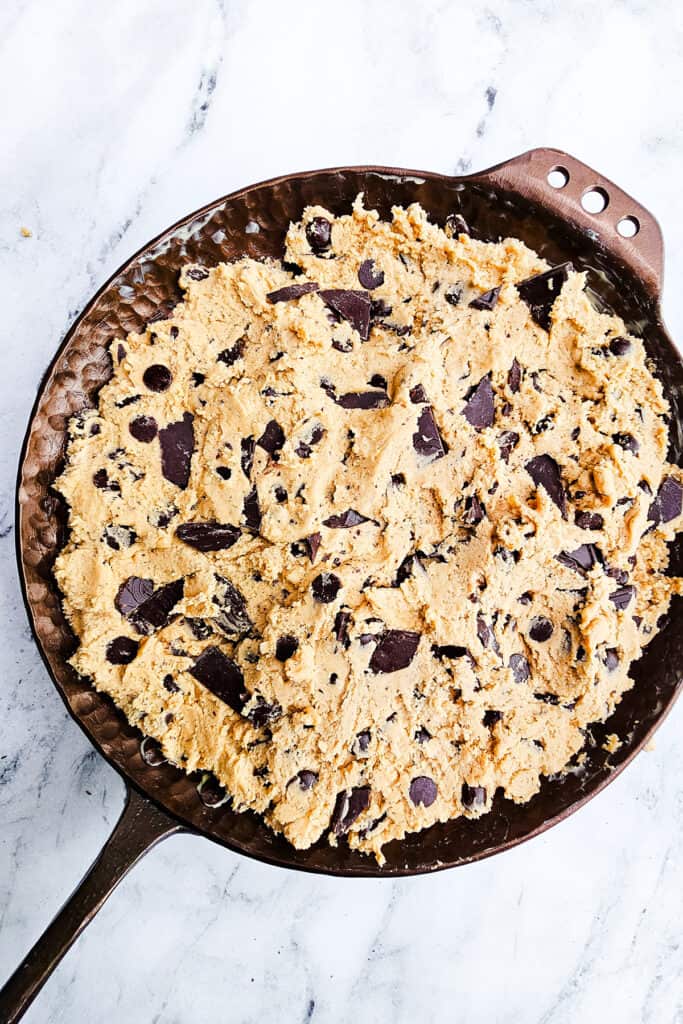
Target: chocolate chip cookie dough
point(374, 532)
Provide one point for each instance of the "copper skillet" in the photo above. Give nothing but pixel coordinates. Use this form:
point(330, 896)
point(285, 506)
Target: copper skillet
point(512, 198)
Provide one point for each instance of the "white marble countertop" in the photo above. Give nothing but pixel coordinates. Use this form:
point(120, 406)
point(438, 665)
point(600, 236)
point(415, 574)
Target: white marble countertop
point(116, 119)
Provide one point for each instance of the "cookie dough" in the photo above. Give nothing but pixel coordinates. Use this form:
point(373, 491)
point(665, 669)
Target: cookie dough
point(374, 532)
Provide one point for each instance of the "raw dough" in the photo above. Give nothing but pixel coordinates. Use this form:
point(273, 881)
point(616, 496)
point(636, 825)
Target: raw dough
point(414, 597)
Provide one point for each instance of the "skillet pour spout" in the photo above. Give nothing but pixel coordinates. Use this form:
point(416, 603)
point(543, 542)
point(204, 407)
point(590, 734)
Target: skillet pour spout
point(514, 198)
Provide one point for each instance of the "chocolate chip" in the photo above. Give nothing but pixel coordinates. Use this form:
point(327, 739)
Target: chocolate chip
point(486, 300)
point(325, 587)
point(473, 796)
point(417, 395)
point(263, 713)
point(545, 472)
point(341, 627)
point(541, 629)
point(151, 752)
point(280, 494)
point(132, 593)
point(619, 346)
point(197, 273)
point(170, 684)
point(525, 598)
point(154, 612)
point(198, 378)
point(442, 651)
point(312, 543)
point(101, 480)
point(395, 650)
point(143, 428)
point(272, 439)
point(345, 520)
point(363, 400)
point(251, 511)
point(627, 442)
point(291, 291)
point(484, 632)
point(369, 277)
point(285, 647)
point(379, 308)
point(453, 294)
point(319, 234)
point(474, 511)
point(589, 520)
point(622, 597)
point(157, 377)
point(122, 650)
point(427, 440)
point(398, 479)
point(348, 807)
point(362, 741)
point(491, 718)
point(307, 779)
point(229, 356)
point(667, 504)
point(199, 628)
point(352, 306)
point(456, 225)
point(582, 559)
point(423, 791)
point(520, 668)
point(479, 410)
point(514, 377)
point(507, 441)
point(422, 735)
point(539, 292)
point(611, 659)
point(222, 676)
point(120, 353)
point(208, 536)
point(177, 445)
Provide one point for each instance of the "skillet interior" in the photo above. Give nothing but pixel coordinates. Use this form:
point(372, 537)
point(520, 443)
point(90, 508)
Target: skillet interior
point(145, 289)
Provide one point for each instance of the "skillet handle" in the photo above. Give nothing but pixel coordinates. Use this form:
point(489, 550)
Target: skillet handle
point(141, 826)
point(527, 174)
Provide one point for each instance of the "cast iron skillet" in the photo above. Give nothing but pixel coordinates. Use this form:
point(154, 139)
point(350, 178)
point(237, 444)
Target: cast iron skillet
point(513, 198)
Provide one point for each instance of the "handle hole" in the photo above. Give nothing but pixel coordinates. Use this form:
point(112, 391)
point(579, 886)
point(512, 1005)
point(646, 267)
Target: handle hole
point(594, 200)
point(558, 177)
point(628, 227)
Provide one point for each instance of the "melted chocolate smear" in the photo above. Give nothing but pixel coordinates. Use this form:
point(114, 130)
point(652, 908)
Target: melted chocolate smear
point(456, 225)
point(132, 593)
point(285, 647)
point(507, 441)
point(319, 234)
point(622, 597)
point(325, 587)
point(539, 292)
point(346, 520)
point(479, 410)
point(231, 355)
point(423, 791)
point(222, 676)
point(291, 291)
point(157, 377)
point(233, 617)
point(582, 559)
point(342, 621)
point(369, 277)
point(395, 650)
point(348, 807)
point(589, 520)
point(247, 447)
point(251, 511)
point(122, 650)
point(541, 629)
point(272, 439)
point(473, 796)
point(427, 440)
point(486, 300)
point(520, 668)
point(209, 536)
point(143, 428)
point(312, 543)
point(417, 395)
point(352, 306)
point(514, 377)
point(667, 504)
point(177, 445)
point(545, 472)
point(363, 400)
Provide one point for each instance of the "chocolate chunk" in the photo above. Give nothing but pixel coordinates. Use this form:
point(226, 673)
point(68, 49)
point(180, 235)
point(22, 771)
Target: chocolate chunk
point(272, 439)
point(619, 346)
point(341, 627)
point(229, 356)
point(474, 511)
point(507, 441)
point(319, 234)
point(369, 277)
point(291, 291)
point(589, 520)
point(545, 472)
point(479, 410)
point(198, 378)
point(349, 806)
point(119, 537)
point(222, 676)
point(197, 273)
point(541, 629)
point(353, 306)
point(378, 381)
point(362, 741)
point(427, 440)
point(199, 628)
point(491, 718)
point(422, 735)
point(627, 442)
point(582, 559)
point(398, 479)
point(622, 597)
point(251, 511)
point(325, 587)
point(247, 448)
point(456, 225)
point(210, 792)
point(514, 377)
point(263, 713)
point(132, 593)
point(343, 346)
point(453, 294)
point(473, 796)
point(177, 445)
point(101, 480)
point(122, 650)
point(484, 632)
point(525, 598)
point(486, 300)
point(286, 646)
point(520, 668)
point(154, 613)
point(395, 650)
point(667, 504)
point(280, 495)
point(611, 659)
point(170, 684)
point(442, 651)
point(224, 472)
point(417, 395)
point(143, 428)
point(151, 752)
point(208, 536)
point(345, 520)
point(379, 309)
point(312, 543)
point(422, 791)
point(233, 617)
point(120, 353)
point(363, 400)
point(539, 292)
point(307, 779)
point(157, 377)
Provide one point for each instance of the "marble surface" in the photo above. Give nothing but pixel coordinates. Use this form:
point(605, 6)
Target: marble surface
point(116, 119)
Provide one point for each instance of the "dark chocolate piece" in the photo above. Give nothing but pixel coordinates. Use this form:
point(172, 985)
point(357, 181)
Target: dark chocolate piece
point(224, 472)
point(514, 377)
point(486, 300)
point(423, 791)
point(582, 559)
point(151, 752)
point(170, 684)
point(479, 410)
point(233, 618)
point(422, 735)
point(272, 439)
point(263, 713)
point(474, 511)
point(247, 448)
point(622, 597)
point(362, 741)
point(222, 676)
point(395, 650)
point(453, 294)
point(197, 273)
point(291, 291)
point(103, 483)
point(319, 234)
point(251, 511)
point(619, 346)
point(417, 395)
point(507, 441)
point(427, 440)
point(379, 309)
point(122, 650)
point(229, 356)
point(539, 292)
point(157, 377)
point(132, 593)
point(325, 587)
point(177, 445)
point(341, 627)
point(155, 612)
point(352, 306)
point(473, 796)
point(442, 651)
point(491, 718)
point(349, 806)
point(368, 276)
point(540, 629)
point(484, 632)
point(208, 536)
point(589, 520)
point(345, 520)
point(456, 225)
point(285, 647)
point(307, 779)
point(363, 400)
point(545, 472)
point(628, 442)
point(667, 504)
point(611, 659)
point(312, 543)
point(143, 428)
point(520, 668)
